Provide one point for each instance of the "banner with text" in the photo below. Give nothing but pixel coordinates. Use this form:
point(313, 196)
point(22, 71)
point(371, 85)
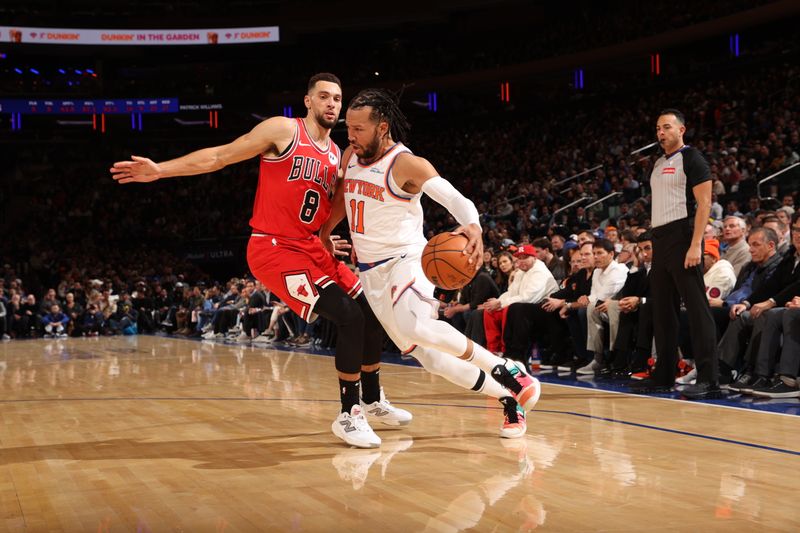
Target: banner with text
point(19, 34)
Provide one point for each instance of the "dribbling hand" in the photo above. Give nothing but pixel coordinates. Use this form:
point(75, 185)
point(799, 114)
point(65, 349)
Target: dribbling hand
point(474, 246)
point(139, 170)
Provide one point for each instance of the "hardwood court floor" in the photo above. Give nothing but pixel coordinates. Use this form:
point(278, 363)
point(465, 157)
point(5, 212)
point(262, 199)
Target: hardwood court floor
point(159, 434)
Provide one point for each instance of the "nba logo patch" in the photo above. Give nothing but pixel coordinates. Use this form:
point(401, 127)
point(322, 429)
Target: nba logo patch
point(332, 158)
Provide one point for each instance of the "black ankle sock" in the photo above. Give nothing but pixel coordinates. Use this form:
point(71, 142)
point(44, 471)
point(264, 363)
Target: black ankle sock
point(348, 392)
point(371, 386)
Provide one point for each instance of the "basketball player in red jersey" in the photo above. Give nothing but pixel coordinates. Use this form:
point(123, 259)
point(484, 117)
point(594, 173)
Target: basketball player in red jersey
point(298, 170)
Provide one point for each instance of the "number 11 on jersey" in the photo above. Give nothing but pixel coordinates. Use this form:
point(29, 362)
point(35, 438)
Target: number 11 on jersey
point(357, 216)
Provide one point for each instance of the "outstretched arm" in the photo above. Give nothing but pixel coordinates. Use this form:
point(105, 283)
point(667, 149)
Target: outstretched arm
point(263, 138)
point(415, 174)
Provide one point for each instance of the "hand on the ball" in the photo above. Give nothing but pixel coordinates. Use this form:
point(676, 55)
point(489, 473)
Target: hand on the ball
point(474, 246)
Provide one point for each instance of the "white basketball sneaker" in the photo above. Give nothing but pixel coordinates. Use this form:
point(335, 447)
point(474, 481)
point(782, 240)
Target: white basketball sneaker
point(385, 412)
point(514, 425)
point(354, 429)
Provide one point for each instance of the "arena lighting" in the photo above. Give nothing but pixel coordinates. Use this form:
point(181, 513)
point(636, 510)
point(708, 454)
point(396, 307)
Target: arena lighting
point(34, 71)
point(89, 71)
point(62, 71)
point(287, 111)
point(655, 64)
point(578, 82)
point(733, 44)
point(432, 102)
point(505, 92)
point(78, 71)
point(18, 71)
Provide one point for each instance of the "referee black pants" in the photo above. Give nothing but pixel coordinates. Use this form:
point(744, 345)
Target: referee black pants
point(671, 283)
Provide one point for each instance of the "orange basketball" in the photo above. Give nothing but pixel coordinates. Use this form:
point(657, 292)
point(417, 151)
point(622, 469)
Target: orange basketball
point(444, 263)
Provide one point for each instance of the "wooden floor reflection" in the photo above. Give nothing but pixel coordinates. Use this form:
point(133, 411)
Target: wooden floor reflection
point(160, 434)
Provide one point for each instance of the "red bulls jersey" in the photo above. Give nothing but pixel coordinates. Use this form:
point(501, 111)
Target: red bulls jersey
point(294, 192)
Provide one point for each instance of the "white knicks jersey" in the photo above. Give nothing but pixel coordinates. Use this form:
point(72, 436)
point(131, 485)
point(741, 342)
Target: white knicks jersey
point(385, 221)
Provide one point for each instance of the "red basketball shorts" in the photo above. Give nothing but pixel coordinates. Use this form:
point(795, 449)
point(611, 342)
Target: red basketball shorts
point(295, 269)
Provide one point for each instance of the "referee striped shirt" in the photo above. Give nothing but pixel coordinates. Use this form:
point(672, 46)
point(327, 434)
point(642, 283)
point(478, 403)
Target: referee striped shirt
point(672, 180)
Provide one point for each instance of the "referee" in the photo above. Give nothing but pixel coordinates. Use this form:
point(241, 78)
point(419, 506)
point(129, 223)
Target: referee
point(680, 178)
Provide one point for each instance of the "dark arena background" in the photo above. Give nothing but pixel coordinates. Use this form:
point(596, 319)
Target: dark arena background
point(171, 391)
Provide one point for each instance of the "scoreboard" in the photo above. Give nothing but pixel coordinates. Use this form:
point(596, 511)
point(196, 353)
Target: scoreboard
point(89, 107)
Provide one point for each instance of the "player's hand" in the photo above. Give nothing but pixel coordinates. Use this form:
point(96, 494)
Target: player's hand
point(693, 257)
point(736, 310)
point(139, 170)
point(339, 246)
point(474, 247)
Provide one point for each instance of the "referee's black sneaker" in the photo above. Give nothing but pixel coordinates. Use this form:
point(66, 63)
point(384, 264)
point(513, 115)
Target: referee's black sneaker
point(702, 391)
point(648, 386)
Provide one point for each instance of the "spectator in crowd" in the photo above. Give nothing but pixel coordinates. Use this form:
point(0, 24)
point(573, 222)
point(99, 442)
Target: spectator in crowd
point(718, 275)
point(505, 270)
point(622, 312)
point(74, 311)
point(608, 278)
point(738, 346)
point(765, 260)
point(556, 308)
point(531, 284)
point(55, 322)
point(737, 251)
point(554, 263)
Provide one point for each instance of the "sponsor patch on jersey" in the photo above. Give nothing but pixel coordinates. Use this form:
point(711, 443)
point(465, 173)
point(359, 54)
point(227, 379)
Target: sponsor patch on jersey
point(376, 170)
point(332, 158)
point(668, 170)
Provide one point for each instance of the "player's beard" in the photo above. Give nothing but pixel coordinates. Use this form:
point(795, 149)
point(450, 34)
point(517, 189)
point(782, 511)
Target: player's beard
point(324, 122)
point(371, 150)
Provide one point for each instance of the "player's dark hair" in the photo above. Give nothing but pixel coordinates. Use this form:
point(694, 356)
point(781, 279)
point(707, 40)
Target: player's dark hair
point(323, 76)
point(672, 111)
point(384, 109)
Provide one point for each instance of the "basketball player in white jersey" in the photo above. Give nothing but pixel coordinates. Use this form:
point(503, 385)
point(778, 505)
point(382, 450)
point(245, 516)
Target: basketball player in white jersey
point(380, 194)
